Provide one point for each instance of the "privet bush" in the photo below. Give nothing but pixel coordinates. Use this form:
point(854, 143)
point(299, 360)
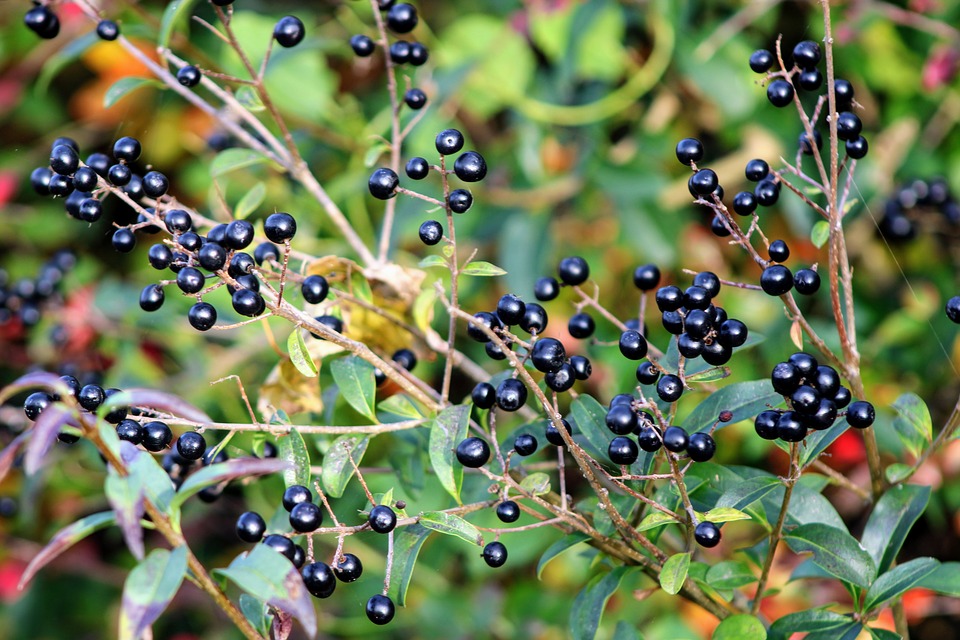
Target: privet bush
point(399, 384)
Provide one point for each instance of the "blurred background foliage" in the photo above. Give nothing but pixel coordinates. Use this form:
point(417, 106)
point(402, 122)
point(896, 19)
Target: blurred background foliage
point(577, 107)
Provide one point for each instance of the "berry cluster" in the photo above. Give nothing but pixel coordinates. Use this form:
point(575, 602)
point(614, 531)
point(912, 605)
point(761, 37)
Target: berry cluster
point(22, 301)
point(42, 20)
point(917, 202)
point(400, 18)
point(815, 397)
point(469, 166)
point(319, 578)
point(804, 75)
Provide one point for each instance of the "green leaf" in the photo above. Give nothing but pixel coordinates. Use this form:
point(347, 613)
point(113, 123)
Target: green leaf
point(744, 399)
point(897, 472)
point(820, 233)
point(558, 547)
point(357, 384)
point(433, 261)
point(884, 634)
point(945, 579)
point(149, 477)
point(812, 620)
point(536, 483)
point(817, 442)
point(233, 159)
point(913, 423)
point(149, 588)
point(268, 575)
point(835, 551)
point(400, 405)
point(175, 16)
point(446, 432)
point(63, 58)
point(126, 497)
point(730, 574)
point(709, 375)
point(372, 155)
point(300, 355)
point(63, 540)
point(250, 201)
point(481, 268)
point(224, 472)
point(724, 514)
point(44, 434)
point(898, 580)
point(293, 450)
point(406, 547)
point(743, 494)
point(625, 631)
point(159, 400)
point(674, 573)
point(250, 99)
point(894, 514)
point(123, 86)
point(256, 613)
point(589, 604)
point(740, 627)
point(337, 469)
point(451, 525)
point(655, 519)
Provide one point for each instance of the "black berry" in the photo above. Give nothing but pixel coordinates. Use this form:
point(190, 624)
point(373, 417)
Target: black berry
point(623, 450)
point(675, 439)
point(108, 30)
point(380, 609)
point(460, 200)
point(402, 18)
point(860, 414)
point(776, 280)
point(546, 289)
point(417, 168)
point(306, 517)
point(289, 31)
point(431, 232)
point(415, 98)
point(508, 511)
point(449, 141)
point(191, 445)
point(294, 495)
point(707, 534)
point(473, 452)
point(525, 444)
point(319, 580)
point(279, 227)
point(511, 394)
point(761, 60)
point(156, 436)
point(689, 151)
point(701, 447)
point(383, 184)
point(780, 93)
point(349, 569)
point(362, 45)
point(495, 554)
point(470, 167)
point(250, 527)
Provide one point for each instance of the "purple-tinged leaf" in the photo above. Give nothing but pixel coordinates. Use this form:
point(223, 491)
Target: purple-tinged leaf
point(125, 495)
point(149, 589)
point(35, 380)
point(9, 455)
point(66, 538)
point(148, 475)
point(158, 401)
point(45, 431)
point(268, 575)
point(224, 471)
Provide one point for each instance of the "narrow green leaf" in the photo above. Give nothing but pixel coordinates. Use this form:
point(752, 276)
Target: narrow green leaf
point(892, 518)
point(337, 469)
point(674, 573)
point(250, 201)
point(224, 472)
point(406, 547)
point(45, 431)
point(299, 355)
point(724, 514)
point(655, 519)
point(563, 544)
point(256, 613)
point(899, 580)
point(372, 155)
point(266, 574)
point(884, 634)
point(149, 476)
point(730, 574)
point(451, 525)
point(481, 268)
point(818, 441)
point(293, 450)
point(233, 159)
point(740, 627)
point(400, 405)
point(709, 375)
point(743, 494)
point(536, 483)
point(357, 384)
point(812, 620)
point(63, 540)
point(63, 58)
point(625, 631)
point(126, 497)
point(124, 86)
point(913, 423)
point(835, 551)
point(744, 399)
point(446, 432)
point(897, 472)
point(589, 604)
point(250, 99)
point(149, 588)
point(433, 260)
point(175, 16)
point(820, 233)
point(945, 579)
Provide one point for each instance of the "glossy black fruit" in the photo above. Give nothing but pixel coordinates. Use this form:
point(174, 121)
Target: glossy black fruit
point(765, 424)
point(669, 388)
point(380, 609)
point(707, 534)
point(806, 281)
point(279, 227)
point(282, 545)
point(383, 183)
point(189, 76)
point(156, 436)
point(306, 517)
point(43, 22)
point(415, 98)
point(546, 289)
point(191, 445)
point(548, 355)
point(573, 270)
point(362, 45)
point(431, 232)
point(294, 495)
point(314, 289)
point(623, 450)
point(525, 444)
point(250, 527)
point(689, 151)
point(508, 511)
point(319, 580)
point(460, 200)
point(761, 61)
point(675, 439)
point(130, 430)
point(382, 519)
point(776, 280)
point(417, 168)
point(621, 419)
point(449, 141)
point(349, 569)
point(860, 414)
point(289, 31)
point(470, 167)
point(701, 447)
point(473, 452)
point(495, 554)
point(778, 251)
point(780, 93)
point(633, 345)
point(646, 277)
point(806, 54)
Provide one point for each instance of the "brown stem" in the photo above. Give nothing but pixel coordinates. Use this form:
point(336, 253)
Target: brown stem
point(775, 535)
point(454, 289)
